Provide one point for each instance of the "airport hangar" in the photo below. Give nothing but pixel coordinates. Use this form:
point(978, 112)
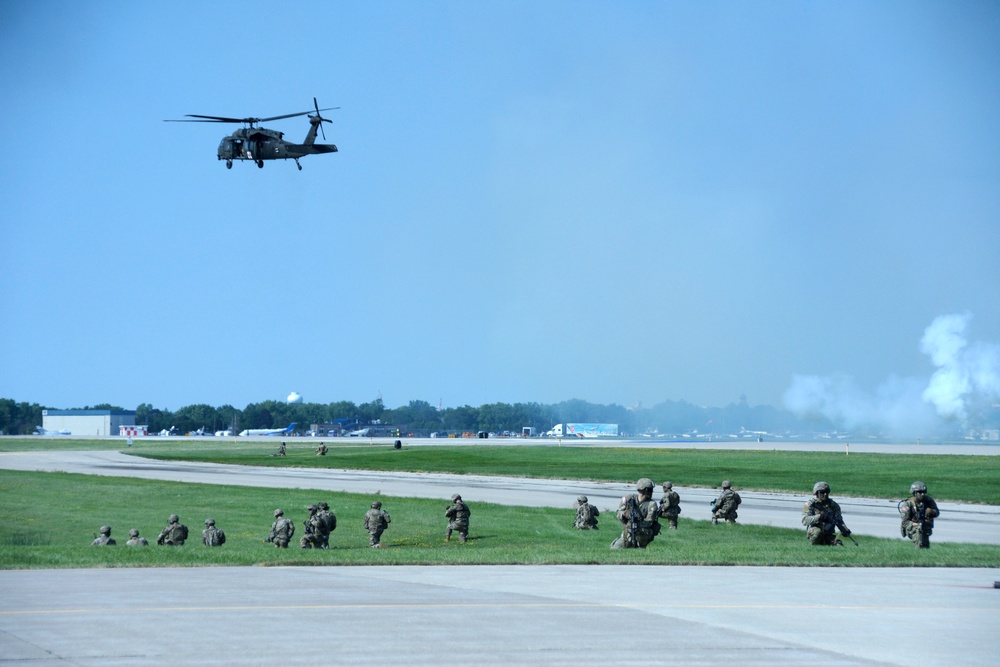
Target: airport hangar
point(88, 422)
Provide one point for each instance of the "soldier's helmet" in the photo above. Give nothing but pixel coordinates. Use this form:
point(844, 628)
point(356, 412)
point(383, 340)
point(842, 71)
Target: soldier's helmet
point(918, 487)
point(134, 532)
point(209, 522)
point(667, 485)
point(312, 508)
point(323, 506)
point(726, 484)
point(582, 500)
point(278, 513)
point(644, 484)
point(105, 530)
point(456, 497)
point(377, 505)
point(821, 486)
point(174, 518)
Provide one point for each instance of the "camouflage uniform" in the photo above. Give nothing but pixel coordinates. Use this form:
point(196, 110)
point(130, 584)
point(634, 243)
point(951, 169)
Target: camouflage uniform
point(327, 524)
point(376, 521)
point(724, 507)
point(314, 530)
point(586, 515)
point(917, 516)
point(640, 529)
point(105, 540)
point(458, 519)
point(212, 536)
point(670, 504)
point(322, 450)
point(135, 540)
point(281, 530)
point(174, 534)
point(821, 516)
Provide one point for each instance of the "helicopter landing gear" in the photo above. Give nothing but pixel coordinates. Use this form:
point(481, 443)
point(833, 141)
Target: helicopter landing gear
point(229, 164)
point(297, 164)
point(260, 164)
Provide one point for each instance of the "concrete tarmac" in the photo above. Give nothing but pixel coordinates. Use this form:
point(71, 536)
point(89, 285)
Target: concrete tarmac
point(490, 615)
point(959, 522)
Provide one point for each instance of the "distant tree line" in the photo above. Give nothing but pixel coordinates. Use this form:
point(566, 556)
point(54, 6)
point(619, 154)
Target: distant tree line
point(421, 418)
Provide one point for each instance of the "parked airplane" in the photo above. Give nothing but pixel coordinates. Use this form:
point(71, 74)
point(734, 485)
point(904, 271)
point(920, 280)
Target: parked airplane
point(360, 433)
point(44, 431)
point(269, 431)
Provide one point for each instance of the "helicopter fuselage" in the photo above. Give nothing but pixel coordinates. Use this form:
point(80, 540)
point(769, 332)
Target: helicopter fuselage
point(259, 143)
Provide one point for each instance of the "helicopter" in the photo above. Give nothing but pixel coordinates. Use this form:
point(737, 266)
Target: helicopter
point(259, 143)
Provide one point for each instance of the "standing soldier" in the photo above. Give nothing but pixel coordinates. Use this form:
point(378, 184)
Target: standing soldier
point(212, 536)
point(314, 530)
point(281, 530)
point(327, 524)
point(917, 516)
point(670, 504)
point(174, 534)
point(586, 515)
point(458, 519)
point(821, 515)
point(105, 540)
point(724, 507)
point(639, 515)
point(376, 521)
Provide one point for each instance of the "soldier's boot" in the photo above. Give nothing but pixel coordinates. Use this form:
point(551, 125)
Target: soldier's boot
point(715, 520)
point(673, 523)
point(462, 537)
point(731, 522)
point(447, 536)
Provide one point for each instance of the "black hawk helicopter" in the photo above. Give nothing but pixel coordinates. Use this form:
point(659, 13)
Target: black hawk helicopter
point(259, 143)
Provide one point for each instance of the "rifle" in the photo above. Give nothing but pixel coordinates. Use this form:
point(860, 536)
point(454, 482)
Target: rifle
point(634, 520)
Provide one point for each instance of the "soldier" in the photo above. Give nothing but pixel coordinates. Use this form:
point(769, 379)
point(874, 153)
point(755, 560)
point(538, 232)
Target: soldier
point(640, 518)
point(212, 536)
point(174, 534)
point(458, 519)
point(314, 529)
point(105, 540)
point(281, 450)
point(376, 521)
point(134, 540)
point(327, 523)
point(322, 449)
point(670, 504)
point(586, 515)
point(822, 517)
point(917, 516)
point(724, 507)
point(281, 530)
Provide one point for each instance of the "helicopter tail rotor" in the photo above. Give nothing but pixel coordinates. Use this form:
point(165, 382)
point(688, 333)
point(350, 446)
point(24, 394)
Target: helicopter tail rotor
point(318, 119)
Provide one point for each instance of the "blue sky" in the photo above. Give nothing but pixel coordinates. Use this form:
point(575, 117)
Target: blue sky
point(616, 202)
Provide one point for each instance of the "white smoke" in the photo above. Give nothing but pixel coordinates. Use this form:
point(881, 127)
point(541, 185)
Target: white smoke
point(967, 380)
point(967, 375)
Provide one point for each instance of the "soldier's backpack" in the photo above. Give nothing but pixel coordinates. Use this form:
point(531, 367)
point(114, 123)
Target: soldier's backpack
point(736, 500)
point(215, 537)
point(178, 533)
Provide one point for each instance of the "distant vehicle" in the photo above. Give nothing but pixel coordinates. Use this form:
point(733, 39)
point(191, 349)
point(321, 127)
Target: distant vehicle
point(169, 431)
point(259, 143)
point(223, 434)
point(44, 431)
point(269, 431)
point(528, 432)
point(584, 431)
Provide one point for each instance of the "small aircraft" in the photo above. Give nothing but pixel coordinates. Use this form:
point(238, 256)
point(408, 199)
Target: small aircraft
point(259, 143)
point(269, 431)
point(44, 431)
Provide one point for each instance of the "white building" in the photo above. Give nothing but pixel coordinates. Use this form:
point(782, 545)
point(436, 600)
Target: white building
point(88, 422)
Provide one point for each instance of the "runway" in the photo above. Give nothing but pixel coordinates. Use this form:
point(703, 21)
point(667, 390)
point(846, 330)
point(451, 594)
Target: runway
point(493, 615)
point(959, 522)
point(522, 615)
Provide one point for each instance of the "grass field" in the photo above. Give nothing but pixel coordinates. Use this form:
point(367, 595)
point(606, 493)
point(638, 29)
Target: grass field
point(949, 478)
point(51, 518)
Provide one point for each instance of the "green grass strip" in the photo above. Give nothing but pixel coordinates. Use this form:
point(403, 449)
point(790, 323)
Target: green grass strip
point(50, 520)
